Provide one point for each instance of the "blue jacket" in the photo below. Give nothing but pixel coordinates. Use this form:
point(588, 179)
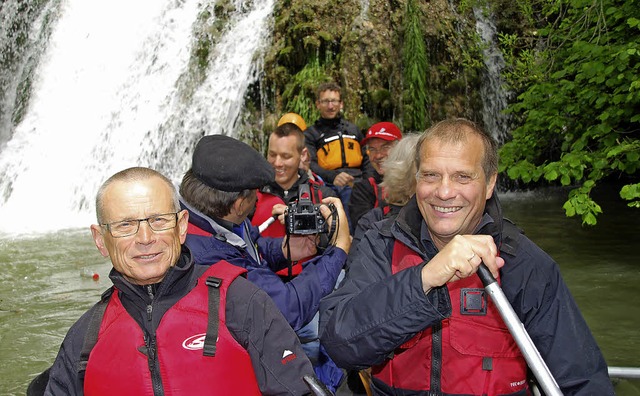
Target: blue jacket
point(298, 299)
point(373, 312)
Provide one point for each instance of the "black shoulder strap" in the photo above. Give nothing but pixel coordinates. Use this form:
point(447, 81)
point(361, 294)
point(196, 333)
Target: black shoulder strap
point(91, 336)
point(213, 319)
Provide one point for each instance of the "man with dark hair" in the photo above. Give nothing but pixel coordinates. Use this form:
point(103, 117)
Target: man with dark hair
point(285, 153)
point(220, 191)
point(334, 144)
point(412, 308)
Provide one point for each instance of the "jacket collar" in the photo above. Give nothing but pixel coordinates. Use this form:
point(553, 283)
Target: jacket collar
point(274, 188)
point(207, 224)
point(176, 279)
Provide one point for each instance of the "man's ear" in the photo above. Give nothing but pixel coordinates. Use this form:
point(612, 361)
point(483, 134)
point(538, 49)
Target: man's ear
point(98, 239)
point(183, 224)
point(305, 158)
point(491, 185)
point(236, 208)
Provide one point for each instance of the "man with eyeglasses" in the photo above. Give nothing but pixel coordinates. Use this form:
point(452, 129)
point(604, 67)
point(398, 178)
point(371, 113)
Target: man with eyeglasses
point(168, 326)
point(334, 144)
point(367, 193)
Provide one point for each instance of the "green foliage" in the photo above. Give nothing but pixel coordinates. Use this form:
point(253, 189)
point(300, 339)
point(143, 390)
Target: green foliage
point(299, 93)
point(578, 101)
point(631, 192)
point(416, 68)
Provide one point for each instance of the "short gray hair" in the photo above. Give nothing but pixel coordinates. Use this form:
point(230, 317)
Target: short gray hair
point(456, 130)
point(137, 173)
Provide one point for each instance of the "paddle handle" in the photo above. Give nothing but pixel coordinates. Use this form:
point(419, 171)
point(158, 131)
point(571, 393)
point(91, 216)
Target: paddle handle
point(519, 333)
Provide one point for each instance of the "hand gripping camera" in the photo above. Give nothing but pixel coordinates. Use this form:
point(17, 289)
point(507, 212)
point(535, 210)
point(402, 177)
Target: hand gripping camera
point(303, 217)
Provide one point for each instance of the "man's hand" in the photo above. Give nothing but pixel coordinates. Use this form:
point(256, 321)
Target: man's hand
point(343, 179)
point(301, 246)
point(461, 258)
point(279, 210)
point(342, 235)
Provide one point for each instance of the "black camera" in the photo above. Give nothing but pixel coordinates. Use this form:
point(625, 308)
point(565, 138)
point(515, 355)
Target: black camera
point(303, 217)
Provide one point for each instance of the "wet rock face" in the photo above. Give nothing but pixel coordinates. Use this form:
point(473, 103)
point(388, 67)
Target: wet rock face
point(360, 44)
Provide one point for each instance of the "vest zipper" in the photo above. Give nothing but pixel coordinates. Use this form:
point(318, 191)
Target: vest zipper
point(152, 351)
point(436, 357)
point(154, 365)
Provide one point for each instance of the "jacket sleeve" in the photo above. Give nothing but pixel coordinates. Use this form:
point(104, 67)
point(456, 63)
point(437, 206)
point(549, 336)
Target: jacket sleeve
point(299, 299)
point(63, 378)
point(277, 357)
point(362, 200)
point(373, 312)
point(534, 286)
point(312, 137)
point(270, 249)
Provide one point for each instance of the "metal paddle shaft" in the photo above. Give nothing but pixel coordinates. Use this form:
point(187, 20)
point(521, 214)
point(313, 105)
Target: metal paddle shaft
point(520, 335)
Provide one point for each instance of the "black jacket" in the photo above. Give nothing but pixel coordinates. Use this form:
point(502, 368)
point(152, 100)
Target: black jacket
point(363, 198)
point(248, 311)
point(373, 312)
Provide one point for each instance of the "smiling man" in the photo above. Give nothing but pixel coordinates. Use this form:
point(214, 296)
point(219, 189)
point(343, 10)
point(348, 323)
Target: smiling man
point(334, 145)
point(166, 318)
point(412, 308)
point(285, 153)
point(367, 192)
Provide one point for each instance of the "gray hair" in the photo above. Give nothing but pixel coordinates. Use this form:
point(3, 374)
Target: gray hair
point(456, 130)
point(399, 168)
point(133, 174)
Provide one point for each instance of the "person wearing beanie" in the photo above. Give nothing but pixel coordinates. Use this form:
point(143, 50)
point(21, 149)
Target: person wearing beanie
point(220, 191)
point(367, 192)
point(334, 144)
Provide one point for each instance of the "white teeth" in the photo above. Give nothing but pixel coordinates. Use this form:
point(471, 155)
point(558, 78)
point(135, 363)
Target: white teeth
point(447, 209)
point(147, 256)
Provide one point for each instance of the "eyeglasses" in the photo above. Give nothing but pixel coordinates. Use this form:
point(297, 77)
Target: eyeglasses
point(159, 222)
point(325, 102)
point(382, 149)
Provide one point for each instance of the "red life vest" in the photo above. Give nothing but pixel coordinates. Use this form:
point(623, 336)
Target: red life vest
point(264, 205)
point(118, 364)
point(380, 197)
point(470, 353)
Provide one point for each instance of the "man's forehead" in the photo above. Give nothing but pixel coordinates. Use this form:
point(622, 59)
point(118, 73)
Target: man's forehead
point(137, 197)
point(329, 92)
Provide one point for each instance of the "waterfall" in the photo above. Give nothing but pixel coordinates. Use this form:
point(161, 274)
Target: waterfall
point(494, 96)
point(115, 88)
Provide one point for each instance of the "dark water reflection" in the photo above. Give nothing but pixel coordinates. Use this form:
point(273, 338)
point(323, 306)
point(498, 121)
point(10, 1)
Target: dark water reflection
point(42, 292)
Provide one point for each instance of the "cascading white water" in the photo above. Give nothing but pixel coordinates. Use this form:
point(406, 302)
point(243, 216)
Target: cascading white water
point(494, 95)
point(107, 96)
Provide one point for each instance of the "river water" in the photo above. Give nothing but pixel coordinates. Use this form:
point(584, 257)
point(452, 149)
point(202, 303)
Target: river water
point(42, 291)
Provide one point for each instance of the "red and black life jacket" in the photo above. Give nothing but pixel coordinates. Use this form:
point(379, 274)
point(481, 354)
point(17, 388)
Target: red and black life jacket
point(265, 203)
point(195, 351)
point(380, 195)
point(470, 353)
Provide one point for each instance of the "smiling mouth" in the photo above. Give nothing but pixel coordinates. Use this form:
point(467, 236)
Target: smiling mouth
point(447, 209)
point(147, 256)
